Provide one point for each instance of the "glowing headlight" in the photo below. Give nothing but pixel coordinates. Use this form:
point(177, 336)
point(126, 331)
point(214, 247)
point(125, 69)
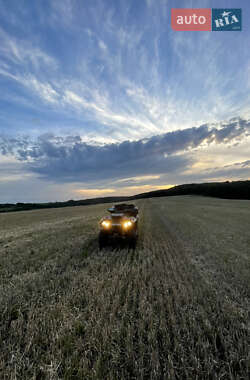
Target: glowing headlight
point(127, 224)
point(106, 223)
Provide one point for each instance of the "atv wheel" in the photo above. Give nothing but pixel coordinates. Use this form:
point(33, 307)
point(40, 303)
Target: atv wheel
point(103, 240)
point(132, 241)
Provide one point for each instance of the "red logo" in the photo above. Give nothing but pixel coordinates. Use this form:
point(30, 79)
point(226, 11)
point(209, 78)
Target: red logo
point(191, 19)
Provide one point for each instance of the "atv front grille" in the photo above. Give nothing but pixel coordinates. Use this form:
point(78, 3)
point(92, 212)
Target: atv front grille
point(116, 220)
point(117, 229)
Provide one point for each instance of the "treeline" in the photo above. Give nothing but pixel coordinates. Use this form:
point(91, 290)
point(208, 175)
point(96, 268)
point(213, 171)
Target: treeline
point(7, 207)
point(228, 190)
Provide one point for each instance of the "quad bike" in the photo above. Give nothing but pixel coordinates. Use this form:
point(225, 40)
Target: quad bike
point(121, 223)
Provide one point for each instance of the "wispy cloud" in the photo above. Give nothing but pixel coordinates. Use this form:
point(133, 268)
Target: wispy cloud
point(234, 171)
point(138, 179)
point(23, 53)
point(137, 83)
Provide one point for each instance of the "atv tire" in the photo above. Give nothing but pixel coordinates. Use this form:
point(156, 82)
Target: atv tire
point(102, 240)
point(132, 241)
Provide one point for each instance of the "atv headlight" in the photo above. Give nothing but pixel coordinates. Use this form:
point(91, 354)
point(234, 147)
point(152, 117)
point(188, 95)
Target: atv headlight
point(106, 224)
point(127, 224)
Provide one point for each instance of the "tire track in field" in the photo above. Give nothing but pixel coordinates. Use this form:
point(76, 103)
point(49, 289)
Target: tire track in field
point(206, 321)
point(112, 303)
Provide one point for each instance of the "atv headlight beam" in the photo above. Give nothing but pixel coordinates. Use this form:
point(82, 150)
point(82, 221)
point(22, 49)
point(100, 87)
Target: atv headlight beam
point(106, 224)
point(127, 224)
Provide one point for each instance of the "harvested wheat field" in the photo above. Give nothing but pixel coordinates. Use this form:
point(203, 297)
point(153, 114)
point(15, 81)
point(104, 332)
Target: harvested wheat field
point(177, 307)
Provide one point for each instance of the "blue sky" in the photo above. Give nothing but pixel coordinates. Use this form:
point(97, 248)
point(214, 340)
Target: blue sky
point(103, 97)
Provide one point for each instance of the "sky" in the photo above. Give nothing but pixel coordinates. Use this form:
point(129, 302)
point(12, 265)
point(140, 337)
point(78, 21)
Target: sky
point(102, 97)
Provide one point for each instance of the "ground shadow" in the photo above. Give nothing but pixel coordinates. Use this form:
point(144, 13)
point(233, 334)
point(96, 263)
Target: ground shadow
point(118, 243)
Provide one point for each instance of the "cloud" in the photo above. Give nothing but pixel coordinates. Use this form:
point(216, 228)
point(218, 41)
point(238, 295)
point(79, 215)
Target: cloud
point(70, 159)
point(102, 45)
point(23, 62)
point(44, 90)
point(125, 190)
point(138, 179)
point(95, 192)
point(237, 170)
point(129, 78)
point(22, 52)
point(98, 106)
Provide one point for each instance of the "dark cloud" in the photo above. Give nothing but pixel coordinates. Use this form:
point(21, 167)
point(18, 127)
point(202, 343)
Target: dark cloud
point(232, 130)
point(239, 170)
point(12, 146)
point(70, 159)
